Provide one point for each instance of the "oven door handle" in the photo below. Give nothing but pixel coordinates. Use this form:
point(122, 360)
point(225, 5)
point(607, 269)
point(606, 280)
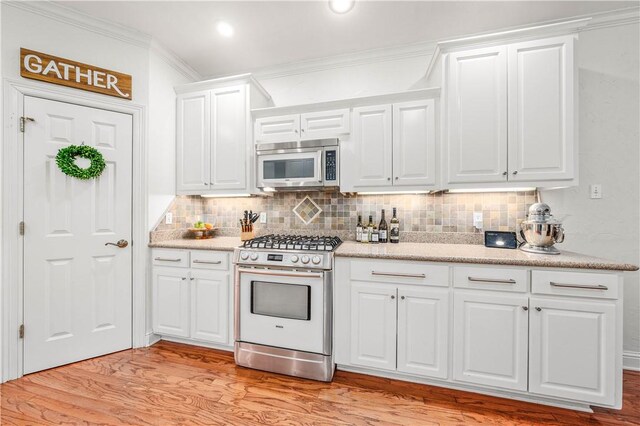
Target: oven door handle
point(280, 273)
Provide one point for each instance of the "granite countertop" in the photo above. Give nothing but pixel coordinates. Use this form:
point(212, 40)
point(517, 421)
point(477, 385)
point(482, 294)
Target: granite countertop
point(450, 253)
point(479, 254)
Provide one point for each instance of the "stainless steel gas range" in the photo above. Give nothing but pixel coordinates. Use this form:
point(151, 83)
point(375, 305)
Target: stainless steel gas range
point(283, 305)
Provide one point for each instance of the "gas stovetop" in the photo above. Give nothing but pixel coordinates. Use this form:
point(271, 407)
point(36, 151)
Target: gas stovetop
point(294, 242)
point(288, 251)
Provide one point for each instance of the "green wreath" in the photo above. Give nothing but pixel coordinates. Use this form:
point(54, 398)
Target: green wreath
point(66, 157)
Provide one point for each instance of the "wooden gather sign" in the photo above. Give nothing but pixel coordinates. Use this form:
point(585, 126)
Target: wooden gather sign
point(52, 69)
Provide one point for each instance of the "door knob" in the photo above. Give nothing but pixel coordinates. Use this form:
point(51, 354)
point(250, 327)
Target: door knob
point(119, 244)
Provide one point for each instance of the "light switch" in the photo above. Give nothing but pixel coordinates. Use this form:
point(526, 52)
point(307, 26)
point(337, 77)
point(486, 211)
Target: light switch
point(263, 217)
point(168, 218)
point(596, 191)
point(477, 220)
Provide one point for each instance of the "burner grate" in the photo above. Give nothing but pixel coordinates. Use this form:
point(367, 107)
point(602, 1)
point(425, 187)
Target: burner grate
point(294, 242)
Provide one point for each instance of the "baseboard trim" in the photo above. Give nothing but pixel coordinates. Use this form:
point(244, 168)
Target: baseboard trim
point(197, 343)
point(631, 360)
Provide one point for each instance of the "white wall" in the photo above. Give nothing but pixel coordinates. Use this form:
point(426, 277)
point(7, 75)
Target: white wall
point(608, 67)
point(607, 59)
point(161, 146)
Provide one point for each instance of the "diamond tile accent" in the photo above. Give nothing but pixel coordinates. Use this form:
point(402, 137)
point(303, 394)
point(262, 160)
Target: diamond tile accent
point(307, 210)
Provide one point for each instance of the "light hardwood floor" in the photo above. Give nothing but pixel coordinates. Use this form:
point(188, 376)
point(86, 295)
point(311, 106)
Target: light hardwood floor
point(173, 384)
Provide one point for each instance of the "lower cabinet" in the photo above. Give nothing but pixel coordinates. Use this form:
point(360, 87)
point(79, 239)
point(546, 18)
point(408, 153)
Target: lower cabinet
point(400, 328)
point(194, 303)
point(572, 349)
point(490, 340)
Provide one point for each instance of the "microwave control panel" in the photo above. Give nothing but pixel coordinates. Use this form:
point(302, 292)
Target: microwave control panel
point(331, 164)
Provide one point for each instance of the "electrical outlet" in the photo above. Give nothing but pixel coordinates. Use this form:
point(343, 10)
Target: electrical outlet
point(596, 191)
point(168, 218)
point(477, 220)
point(263, 217)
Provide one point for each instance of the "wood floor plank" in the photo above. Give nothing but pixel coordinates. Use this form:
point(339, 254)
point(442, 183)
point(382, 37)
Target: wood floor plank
point(175, 384)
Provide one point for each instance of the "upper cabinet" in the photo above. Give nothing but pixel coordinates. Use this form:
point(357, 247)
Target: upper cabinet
point(214, 136)
point(509, 114)
point(300, 127)
point(392, 147)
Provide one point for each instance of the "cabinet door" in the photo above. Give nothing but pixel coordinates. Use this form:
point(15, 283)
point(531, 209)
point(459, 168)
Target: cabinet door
point(373, 326)
point(171, 301)
point(541, 82)
point(370, 158)
point(490, 339)
point(284, 128)
point(325, 124)
point(572, 349)
point(229, 138)
point(210, 306)
point(193, 130)
point(414, 145)
point(476, 121)
point(423, 327)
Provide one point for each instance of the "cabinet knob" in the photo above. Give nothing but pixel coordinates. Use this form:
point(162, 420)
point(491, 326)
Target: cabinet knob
point(504, 173)
point(538, 308)
point(184, 278)
point(388, 178)
point(402, 297)
point(302, 130)
point(525, 308)
point(191, 278)
point(392, 297)
point(295, 130)
point(206, 183)
point(515, 172)
point(397, 178)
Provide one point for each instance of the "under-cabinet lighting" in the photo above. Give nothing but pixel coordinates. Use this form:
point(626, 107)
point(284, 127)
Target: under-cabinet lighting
point(341, 6)
point(392, 192)
point(268, 189)
point(224, 29)
point(462, 191)
point(225, 195)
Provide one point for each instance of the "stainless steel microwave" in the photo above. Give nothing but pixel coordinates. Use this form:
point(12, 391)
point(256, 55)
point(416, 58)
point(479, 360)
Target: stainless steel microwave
point(303, 165)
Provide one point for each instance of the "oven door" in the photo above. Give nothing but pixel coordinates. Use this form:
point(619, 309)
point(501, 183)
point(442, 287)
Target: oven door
point(290, 168)
point(285, 309)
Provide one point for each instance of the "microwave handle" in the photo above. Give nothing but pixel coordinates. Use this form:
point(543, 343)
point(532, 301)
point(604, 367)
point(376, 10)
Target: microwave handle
point(319, 162)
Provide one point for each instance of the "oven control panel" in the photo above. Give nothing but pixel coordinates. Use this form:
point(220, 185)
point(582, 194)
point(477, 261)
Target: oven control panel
point(310, 260)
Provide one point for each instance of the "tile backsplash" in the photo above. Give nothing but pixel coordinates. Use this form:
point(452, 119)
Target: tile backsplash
point(421, 213)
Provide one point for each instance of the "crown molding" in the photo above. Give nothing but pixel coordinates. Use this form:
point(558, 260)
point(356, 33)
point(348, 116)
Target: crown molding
point(73, 17)
point(576, 24)
point(174, 61)
point(422, 49)
point(227, 81)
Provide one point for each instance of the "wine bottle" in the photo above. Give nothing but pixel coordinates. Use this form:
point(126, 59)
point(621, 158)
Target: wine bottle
point(370, 229)
point(383, 229)
point(359, 229)
point(394, 232)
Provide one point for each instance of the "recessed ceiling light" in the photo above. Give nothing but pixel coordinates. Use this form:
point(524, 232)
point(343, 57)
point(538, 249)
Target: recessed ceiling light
point(224, 29)
point(341, 6)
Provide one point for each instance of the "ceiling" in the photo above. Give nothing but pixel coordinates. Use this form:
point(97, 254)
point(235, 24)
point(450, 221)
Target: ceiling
point(270, 33)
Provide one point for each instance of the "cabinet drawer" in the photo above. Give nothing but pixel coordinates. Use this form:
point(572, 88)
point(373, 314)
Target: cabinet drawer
point(201, 259)
point(165, 257)
point(490, 278)
point(582, 284)
point(399, 272)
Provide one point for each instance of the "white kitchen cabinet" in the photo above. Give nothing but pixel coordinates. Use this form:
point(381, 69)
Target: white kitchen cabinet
point(573, 350)
point(214, 136)
point(476, 118)
point(171, 300)
point(509, 114)
point(414, 143)
point(392, 146)
point(305, 126)
point(193, 300)
point(193, 141)
point(373, 326)
point(423, 329)
point(490, 340)
point(541, 110)
point(210, 305)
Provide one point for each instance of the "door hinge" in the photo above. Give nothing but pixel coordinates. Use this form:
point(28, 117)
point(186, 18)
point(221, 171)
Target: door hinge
point(21, 331)
point(21, 228)
point(23, 121)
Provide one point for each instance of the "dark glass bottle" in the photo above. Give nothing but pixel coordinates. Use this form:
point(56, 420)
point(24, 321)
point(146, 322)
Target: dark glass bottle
point(394, 231)
point(383, 229)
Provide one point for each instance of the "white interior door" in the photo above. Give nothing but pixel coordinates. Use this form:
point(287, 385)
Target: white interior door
point(77, 290)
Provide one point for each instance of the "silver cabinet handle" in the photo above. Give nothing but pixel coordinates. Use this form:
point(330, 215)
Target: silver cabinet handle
point(119, 244)
point(208, 262)
point(162, 259)
point(274, 273)
point(398, 274)
point(583, 287)
point(491, 280)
